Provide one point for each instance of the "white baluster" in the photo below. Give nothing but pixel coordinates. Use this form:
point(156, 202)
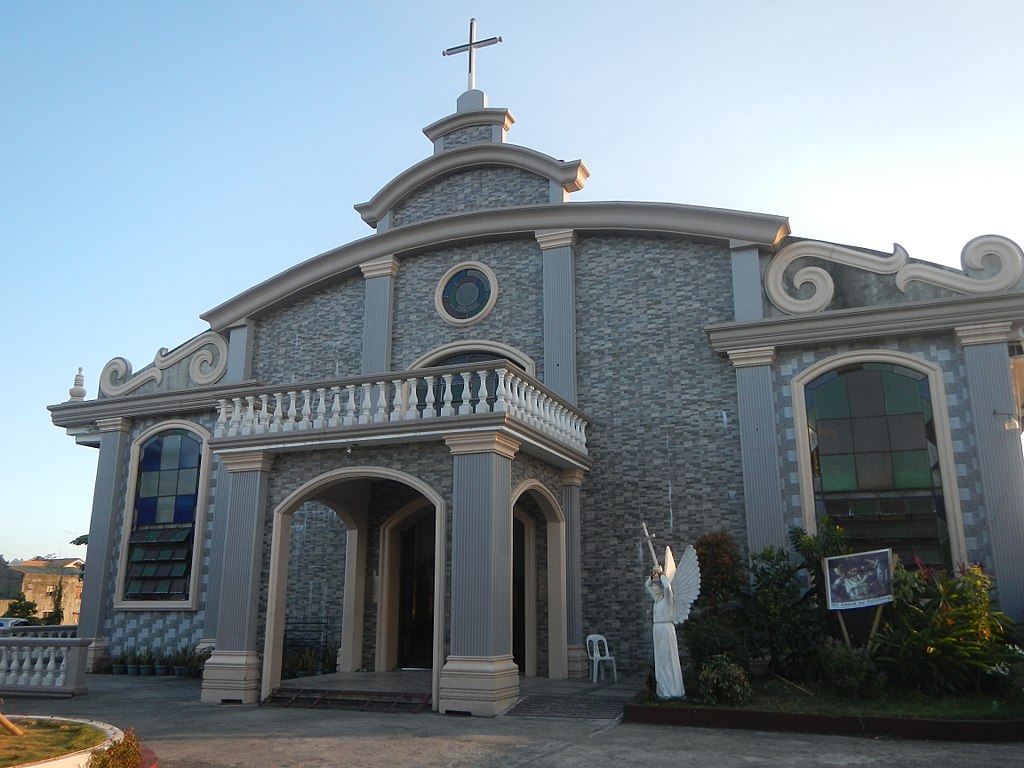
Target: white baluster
point(5, 665)
point(37, 667)
point(62, 669)
point(428, 411)
point(411, 411)
point(398, 400)
point(381, 414)
point(467, 392)
point(307, 409)
point(501, 392)
point(277, 425)
point(248, 415)
point(236, 416)
point(514, 392)
point(481, 393)
point(24, 666)
point(446, 395)
point(335, 420)
point(292, 413)
point(50, 673)
point(263, 422)
point(350, 405)
point(321, 408)
point(222, 417)
point(364, 409)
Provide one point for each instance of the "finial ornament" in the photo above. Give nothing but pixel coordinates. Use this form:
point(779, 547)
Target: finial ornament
point(77, 392)
point(471, 50)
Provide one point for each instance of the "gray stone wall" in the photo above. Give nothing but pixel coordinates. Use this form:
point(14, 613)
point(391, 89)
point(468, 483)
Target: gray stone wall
point(319, 337)
point(316, 568)
point(476, 189)
point(948, 355)
point(655, 391)
point(517, 318)
point(471, 134)
point(161, 631)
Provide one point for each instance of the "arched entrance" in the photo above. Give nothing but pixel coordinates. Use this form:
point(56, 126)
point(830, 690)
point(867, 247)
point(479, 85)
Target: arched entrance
point(365, 499)
point(539, 622)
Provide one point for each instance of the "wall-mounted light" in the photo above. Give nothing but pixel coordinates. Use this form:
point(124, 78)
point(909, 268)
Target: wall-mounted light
point(1012, 423)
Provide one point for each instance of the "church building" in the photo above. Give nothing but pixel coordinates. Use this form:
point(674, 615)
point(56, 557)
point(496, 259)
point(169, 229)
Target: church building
point(434, 447)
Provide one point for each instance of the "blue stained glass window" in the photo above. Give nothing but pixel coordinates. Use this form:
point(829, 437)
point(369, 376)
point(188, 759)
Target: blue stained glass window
point(166, 499)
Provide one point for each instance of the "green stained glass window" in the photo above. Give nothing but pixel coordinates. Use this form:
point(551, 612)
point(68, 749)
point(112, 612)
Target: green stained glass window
point(874, 459)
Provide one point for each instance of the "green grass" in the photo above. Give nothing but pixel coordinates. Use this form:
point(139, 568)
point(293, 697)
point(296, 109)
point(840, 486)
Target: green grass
point(44, 739)
point(774, 695)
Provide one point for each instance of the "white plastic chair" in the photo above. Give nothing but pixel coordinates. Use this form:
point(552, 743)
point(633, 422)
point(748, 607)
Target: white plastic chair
point(597, 650)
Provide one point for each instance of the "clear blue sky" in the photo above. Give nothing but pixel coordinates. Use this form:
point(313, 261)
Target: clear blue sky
point(157, 158)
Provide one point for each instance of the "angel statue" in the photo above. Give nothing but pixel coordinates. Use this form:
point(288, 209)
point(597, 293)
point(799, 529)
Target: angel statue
point(674, 588)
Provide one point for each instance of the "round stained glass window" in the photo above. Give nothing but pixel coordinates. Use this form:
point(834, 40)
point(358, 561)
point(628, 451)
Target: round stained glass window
point(467, 292)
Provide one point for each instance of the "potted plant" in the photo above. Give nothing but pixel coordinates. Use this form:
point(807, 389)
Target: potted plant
point(131, 661)
point(179, 661)
point(146, 662)
point(117, 665)
point(162, 664)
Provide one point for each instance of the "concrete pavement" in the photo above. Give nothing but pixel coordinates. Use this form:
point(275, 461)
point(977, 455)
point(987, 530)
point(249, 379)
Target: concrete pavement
point(167, 715)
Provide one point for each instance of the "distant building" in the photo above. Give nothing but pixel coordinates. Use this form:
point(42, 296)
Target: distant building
point(38, 579)
point(441, 439)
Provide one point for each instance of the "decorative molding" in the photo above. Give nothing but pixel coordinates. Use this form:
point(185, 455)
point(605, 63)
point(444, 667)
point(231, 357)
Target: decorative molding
point(984, 333)
point(462, 322)
point(114, 424)
point(750, 356)
point(499, 116)
point(206, 367)
point(572, 476)
point(247, 461)
point(1008, 254)
point(486, 442)
point(385, 266)
point(919, 318)
point(500, 350)
point(641, 219)
point(555, 238)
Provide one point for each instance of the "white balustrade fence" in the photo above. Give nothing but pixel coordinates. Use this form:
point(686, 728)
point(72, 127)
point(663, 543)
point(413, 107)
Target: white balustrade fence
point(44, 666)
point(404, 398)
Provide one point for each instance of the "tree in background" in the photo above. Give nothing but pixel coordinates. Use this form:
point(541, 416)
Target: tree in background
point(20, 608)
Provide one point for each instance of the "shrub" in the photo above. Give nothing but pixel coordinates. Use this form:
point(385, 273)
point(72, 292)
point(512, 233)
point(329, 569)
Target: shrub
point(849, 671)
point(125, 753)
point(780, 618)
point(723, 681)
point(942, 634)
point(721, 569)
point(712, 633)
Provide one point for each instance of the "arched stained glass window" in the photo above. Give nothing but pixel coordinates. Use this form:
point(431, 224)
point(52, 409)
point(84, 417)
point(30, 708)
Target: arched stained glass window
point(162, 534)
point(874, 459)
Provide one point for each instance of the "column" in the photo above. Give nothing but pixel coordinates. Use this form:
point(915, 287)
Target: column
point(232, 673)
point(759, 448)
point(378, 310)
point(479, 676)
point(221, 506)
point(746, 281)
point(100, 565)
point(990, 397)
point(572, 480)
point(558, 248)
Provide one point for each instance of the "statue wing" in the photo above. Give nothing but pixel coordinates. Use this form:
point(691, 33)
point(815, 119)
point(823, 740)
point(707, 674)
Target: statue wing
point(685, 582)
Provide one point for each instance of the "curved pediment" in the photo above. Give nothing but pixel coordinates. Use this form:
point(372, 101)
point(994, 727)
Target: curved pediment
point(568, 176)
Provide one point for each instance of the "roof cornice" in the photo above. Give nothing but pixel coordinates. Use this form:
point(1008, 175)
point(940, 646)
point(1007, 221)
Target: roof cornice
point(920, 318)
point(569, 175)
point(642, 218)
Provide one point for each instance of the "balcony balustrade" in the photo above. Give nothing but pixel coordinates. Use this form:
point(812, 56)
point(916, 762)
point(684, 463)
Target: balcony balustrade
point(448, 392)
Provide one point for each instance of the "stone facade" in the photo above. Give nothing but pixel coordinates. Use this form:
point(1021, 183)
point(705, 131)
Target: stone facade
point(655, 290)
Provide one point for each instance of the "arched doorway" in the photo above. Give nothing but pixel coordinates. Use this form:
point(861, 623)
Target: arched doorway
point(373, 576)
point(416, 593)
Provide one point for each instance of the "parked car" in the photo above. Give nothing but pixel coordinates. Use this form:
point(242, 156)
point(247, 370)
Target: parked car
point(6, 623)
